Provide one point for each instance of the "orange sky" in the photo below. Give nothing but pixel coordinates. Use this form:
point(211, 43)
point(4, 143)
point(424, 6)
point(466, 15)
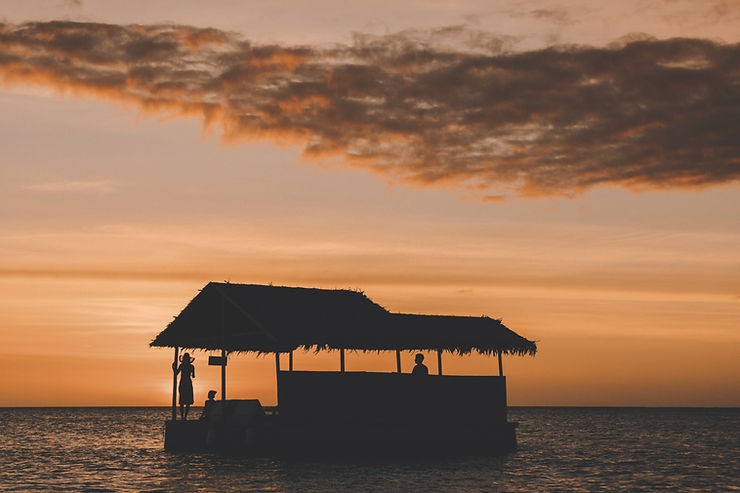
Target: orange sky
point(113, 219)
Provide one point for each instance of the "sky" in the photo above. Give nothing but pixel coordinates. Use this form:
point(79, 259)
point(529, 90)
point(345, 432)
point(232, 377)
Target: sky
point(571, 167)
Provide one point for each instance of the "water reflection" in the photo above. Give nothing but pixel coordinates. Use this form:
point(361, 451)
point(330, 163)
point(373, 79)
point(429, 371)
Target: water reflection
point(561, 449)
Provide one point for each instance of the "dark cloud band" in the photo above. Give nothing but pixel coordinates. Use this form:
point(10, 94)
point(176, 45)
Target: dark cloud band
point(647, 114)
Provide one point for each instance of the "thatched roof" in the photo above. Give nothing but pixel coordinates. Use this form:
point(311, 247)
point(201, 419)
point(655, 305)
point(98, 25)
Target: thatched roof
point(250, 317)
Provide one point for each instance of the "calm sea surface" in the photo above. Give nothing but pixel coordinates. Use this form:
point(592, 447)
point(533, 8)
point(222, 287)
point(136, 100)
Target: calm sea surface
point(560, 449)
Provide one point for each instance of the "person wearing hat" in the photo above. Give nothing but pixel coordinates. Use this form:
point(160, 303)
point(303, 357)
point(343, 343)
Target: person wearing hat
point(186, 371)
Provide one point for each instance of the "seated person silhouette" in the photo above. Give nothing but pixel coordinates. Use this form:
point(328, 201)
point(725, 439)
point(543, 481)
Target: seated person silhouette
point(420, 368)
point(208, 406)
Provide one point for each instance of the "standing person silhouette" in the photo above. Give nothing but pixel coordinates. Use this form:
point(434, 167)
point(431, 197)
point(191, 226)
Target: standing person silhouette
point(186, 371)
point(420, 368)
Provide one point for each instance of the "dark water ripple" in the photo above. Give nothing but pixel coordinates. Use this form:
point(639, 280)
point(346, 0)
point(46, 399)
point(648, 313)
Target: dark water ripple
point(560, 449)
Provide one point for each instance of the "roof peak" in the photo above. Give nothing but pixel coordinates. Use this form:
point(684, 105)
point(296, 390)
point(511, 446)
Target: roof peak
point(279, 286)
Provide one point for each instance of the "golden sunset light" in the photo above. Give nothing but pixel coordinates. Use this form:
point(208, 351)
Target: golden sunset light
point(369, 245)
point(570, 170)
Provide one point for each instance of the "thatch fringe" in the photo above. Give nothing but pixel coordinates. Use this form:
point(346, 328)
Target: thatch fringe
point(269, 319)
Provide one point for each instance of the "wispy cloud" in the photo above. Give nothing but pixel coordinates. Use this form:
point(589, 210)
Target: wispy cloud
point(71, 3)
point(556, 16)
point(463, 113)
point(95, 186)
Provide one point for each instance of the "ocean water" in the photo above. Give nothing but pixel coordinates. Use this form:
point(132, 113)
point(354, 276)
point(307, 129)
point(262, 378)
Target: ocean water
point(560, 449)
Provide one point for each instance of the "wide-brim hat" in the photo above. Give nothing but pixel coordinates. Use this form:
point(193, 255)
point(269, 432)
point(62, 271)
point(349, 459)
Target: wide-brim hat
point(190, 358)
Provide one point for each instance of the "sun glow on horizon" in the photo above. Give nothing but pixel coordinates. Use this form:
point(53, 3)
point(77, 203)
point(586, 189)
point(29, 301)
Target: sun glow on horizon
point(284, 149)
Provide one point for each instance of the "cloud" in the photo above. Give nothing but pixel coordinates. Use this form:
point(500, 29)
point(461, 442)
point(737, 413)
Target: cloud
point(556, 16)
point(100, 186)
point(449, 108)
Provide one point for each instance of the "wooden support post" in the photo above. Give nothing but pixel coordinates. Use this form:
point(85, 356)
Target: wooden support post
point(398, 361)
point(290, 361)
point(341, 360)
point(223, 352)
point(500, 365)
point(223, 375)
point(174, 387)
point(277, 378)
point(439, 361)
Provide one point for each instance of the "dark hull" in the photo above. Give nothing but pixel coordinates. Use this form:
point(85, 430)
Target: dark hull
point(291, 439)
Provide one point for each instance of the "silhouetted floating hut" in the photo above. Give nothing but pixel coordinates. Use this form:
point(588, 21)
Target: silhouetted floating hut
point(337, 411)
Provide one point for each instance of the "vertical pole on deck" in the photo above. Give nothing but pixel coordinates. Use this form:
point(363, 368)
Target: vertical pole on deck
point(174, 387)
point(500, 365)
point(341, 360)
point(439, 361)
point(398, 361)
point(223, 375)
point(223, 352)
point(277, 378)
point(290, 361)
